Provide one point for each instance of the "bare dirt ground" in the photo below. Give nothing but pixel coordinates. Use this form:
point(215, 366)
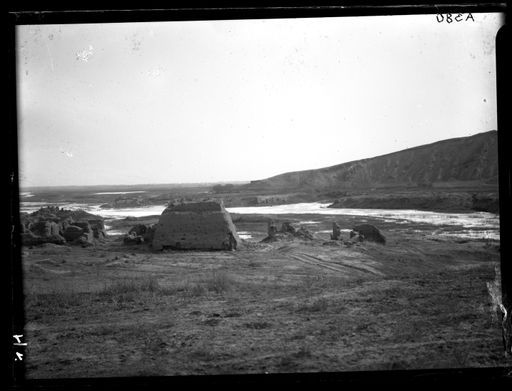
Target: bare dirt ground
point(118, 310)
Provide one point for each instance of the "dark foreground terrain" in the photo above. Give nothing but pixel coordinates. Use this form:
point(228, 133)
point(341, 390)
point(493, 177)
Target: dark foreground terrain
point(112, 309)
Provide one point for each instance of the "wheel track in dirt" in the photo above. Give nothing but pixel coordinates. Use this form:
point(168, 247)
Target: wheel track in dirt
point(319, 262)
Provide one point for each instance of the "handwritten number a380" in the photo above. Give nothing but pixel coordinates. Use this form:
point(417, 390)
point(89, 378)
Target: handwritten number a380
point(450, 18)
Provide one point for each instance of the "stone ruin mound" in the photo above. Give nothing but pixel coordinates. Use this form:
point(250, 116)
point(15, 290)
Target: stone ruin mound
point(202, 225)
point(61, 226)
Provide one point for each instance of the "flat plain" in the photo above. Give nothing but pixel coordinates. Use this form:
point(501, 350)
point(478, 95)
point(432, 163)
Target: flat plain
point(420, 301)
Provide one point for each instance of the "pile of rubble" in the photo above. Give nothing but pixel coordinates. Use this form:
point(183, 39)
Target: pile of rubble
point(140, 233)
point(360, 233)
point(287, 232)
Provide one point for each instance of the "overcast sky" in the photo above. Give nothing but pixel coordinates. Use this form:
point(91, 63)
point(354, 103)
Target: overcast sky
point(207, 101)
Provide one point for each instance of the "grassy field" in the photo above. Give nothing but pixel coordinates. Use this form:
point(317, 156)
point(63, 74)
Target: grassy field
point(117, 310)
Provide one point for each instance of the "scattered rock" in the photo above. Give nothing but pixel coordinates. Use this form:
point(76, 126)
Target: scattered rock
point(369, 232)
point(288, 227)
point(336, 231)
point(98, 228)
point(133, 238)
point(139, 234)
point(287, 232)
point(304, 234)
point(356, 236)
point(138, 230)
point(333, 243)
point(271, 229)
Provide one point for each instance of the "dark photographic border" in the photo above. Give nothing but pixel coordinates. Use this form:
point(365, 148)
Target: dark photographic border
point(103, 12)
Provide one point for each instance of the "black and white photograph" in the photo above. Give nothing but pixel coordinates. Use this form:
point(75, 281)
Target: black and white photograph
point(259, 196)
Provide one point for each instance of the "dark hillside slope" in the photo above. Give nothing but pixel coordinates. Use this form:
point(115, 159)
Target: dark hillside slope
point(472, 160)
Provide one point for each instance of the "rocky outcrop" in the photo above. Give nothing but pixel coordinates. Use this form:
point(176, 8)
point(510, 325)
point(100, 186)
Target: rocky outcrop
point(367, 232)
point(132, 238)
point(202, 225)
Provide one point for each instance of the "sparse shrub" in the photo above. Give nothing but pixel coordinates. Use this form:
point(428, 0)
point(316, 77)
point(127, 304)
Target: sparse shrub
point(304, 352)
point(186, 288)
point(397, 365)
point(218, 282)
point(309, 283)
point(131, 285)
point(258, 325)
point(317, 305)
point(461, 357)
point(129, 290)
point(294, 359)
point(55, 301)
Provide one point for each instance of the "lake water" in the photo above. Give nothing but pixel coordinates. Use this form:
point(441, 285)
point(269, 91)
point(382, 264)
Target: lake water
point(468, 220)
point(474, 224)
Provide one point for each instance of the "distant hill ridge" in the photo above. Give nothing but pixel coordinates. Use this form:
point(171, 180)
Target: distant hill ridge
point(472, 159)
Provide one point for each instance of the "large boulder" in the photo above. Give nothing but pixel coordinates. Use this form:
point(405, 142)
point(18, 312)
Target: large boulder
point(288, 227)
point(369, 232)
point(72, 233)
point(202, 225)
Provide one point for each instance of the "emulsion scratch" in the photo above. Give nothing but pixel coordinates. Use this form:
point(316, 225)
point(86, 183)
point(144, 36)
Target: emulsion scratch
point(154, 72)
point(494, 289)
point(69, 154)
point(85, 54)
point(49, 55)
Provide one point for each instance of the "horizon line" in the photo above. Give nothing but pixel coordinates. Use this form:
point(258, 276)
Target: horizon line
point(246, 181)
